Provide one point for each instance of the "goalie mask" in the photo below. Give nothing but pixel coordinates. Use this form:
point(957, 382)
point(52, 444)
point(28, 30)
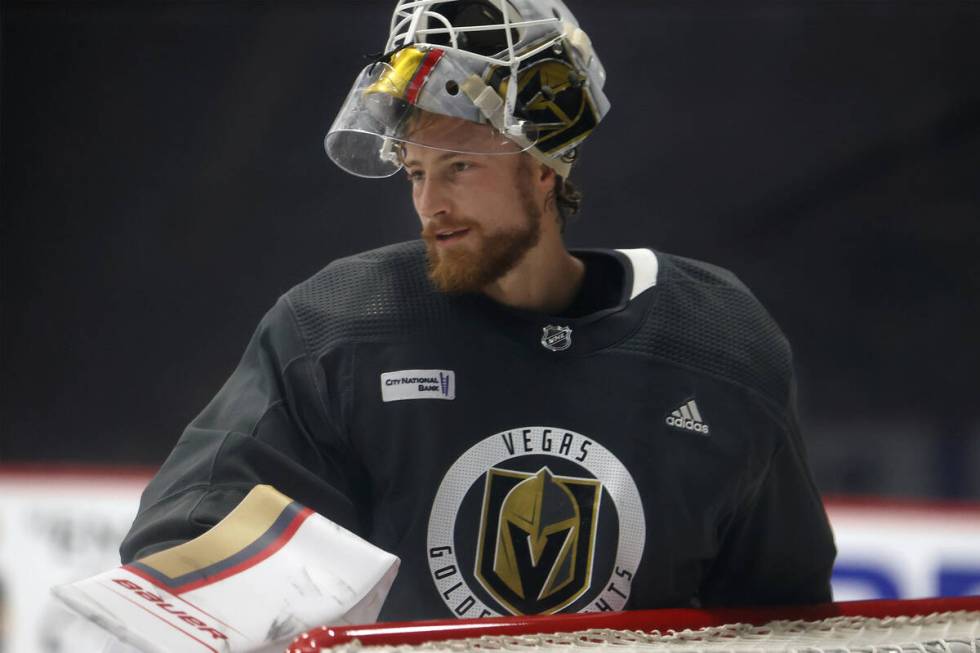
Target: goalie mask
point(473, 76)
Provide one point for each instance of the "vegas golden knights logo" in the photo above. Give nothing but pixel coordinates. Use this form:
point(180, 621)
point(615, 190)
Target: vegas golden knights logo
point(553, 97)
point(537, 537)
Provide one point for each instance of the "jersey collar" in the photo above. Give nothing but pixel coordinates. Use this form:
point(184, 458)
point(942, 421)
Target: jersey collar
point(589, 333)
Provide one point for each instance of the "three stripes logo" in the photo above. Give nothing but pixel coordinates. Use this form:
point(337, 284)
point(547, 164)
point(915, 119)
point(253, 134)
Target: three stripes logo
point(688, 417)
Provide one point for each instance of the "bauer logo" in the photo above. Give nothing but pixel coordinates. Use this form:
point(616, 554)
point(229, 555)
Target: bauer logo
point(418, 384)
point(535, 520)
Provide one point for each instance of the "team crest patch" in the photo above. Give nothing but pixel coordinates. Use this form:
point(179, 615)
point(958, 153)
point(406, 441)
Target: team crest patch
point(534, 552)
point(535, 520)
point(556, 338)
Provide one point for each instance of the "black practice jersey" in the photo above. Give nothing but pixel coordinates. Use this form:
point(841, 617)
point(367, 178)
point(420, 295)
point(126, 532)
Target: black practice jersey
point(644, 455)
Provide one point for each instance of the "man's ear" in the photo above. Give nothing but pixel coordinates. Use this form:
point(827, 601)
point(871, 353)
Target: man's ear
point(546, 176)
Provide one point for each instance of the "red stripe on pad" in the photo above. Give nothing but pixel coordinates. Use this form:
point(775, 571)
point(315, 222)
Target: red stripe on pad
point(273, 547)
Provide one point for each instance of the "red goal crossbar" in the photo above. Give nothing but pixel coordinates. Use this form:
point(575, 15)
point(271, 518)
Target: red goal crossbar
point(418, 632)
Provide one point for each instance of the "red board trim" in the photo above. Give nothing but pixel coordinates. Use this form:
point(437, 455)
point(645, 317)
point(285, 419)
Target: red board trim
point(72, 470)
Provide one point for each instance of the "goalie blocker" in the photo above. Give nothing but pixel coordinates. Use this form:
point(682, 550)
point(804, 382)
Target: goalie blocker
point(251, 583)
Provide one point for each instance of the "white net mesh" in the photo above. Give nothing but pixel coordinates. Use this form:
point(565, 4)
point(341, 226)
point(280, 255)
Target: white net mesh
point(952, 632)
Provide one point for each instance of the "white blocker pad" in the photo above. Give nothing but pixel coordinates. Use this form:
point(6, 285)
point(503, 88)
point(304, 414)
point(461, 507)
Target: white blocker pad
point(268, 571)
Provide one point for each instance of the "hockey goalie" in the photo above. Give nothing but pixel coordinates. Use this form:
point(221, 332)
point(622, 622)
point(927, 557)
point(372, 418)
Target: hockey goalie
point(518, 427)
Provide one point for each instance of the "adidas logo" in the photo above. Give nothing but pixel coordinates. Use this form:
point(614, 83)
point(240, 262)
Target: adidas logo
point(688, 417)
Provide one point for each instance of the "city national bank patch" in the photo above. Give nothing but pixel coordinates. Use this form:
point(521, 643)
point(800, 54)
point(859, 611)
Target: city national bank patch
point(418, 384)
point(535, 520)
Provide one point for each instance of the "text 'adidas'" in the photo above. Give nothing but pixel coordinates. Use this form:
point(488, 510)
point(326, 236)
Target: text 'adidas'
point(688, 417)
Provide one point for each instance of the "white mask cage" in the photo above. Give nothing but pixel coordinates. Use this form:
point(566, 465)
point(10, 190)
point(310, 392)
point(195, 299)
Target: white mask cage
point(416, 21)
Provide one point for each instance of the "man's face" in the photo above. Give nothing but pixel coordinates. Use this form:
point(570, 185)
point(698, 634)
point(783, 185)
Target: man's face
point(480, 213)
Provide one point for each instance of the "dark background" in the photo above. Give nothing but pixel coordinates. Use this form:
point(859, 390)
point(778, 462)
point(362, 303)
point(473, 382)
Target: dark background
point(163, 181)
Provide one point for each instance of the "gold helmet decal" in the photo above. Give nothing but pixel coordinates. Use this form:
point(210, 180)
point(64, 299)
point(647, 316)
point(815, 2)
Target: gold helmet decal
point(536, 539)
point(405, 73)
point(553, 97)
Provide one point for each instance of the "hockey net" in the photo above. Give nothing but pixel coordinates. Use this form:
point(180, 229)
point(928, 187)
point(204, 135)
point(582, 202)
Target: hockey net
point(950, 625)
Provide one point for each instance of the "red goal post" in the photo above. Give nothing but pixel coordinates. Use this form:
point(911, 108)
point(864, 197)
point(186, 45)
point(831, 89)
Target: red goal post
point(941, 624)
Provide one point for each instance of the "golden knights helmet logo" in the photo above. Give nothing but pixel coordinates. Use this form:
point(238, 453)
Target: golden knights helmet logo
point(537, 538)
point(554, 98)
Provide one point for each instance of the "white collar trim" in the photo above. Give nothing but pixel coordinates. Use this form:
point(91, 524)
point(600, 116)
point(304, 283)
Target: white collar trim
point(645, 269)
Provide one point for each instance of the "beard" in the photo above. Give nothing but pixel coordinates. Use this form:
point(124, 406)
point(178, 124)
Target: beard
point(457, 270)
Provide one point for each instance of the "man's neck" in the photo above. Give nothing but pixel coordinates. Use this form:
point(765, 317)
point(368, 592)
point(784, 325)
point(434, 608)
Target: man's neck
point(546, 280)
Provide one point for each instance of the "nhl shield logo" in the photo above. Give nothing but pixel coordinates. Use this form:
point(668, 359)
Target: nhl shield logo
point(556, 338)
point(536, 541)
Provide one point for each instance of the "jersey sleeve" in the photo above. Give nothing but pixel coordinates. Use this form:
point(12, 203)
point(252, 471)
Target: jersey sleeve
point(273, 422)
point(778, 548)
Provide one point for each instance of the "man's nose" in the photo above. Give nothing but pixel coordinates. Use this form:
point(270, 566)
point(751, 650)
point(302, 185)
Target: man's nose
point(432, 199)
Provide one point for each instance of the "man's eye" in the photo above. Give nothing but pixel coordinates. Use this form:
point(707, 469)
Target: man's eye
point(460, 166)
point(413, 175)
